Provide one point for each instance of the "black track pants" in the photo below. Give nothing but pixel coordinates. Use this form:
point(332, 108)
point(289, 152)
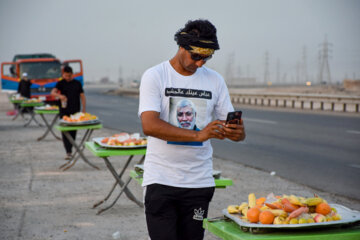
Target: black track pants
point(174, 213)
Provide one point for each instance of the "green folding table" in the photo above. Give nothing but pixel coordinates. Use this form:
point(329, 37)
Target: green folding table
point(26, 105)
point(17, 107)
point(105, 153)
point(79, 147)
point(50, 126)
point(229, 230)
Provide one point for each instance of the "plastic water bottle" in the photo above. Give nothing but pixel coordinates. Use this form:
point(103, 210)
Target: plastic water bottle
point(63, 104)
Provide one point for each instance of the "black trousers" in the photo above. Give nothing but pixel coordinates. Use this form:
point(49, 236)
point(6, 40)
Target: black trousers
point(68, 146)
point(174, 213)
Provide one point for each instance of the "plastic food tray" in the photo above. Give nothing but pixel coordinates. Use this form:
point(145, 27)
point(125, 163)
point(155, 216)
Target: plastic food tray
point(89, 122)
point(98, 141)
point(348, 216)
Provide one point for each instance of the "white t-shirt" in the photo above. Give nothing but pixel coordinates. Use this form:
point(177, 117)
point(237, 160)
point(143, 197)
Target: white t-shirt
point(182, 164)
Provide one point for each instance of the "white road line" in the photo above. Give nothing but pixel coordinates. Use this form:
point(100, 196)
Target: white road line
point(105, 113)
point(354, 165)
point(353, 131)
point(260, 121)
point(241, 142)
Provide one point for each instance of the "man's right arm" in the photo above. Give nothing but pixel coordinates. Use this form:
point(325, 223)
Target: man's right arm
point(154, 126)
point(55, 93)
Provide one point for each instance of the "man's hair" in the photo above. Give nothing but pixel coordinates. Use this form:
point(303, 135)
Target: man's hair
point(184, 103)
point(199, 33)
point(68, 69)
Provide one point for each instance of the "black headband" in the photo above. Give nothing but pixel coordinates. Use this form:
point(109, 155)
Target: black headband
point(186, 40)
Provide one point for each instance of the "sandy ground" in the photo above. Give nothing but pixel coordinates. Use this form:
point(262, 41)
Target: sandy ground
point(38, 201)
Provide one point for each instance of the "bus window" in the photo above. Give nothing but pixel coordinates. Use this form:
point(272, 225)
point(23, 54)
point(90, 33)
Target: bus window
point(9, 70)
point(76, 67)
point(41, 70)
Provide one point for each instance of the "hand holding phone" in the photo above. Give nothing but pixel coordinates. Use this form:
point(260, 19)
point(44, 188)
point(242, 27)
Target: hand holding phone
point(234, 133)
point(234, 117)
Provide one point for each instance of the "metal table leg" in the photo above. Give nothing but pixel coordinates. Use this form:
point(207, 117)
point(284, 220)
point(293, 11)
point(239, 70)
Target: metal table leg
point(116, 183)
point(49, 127)
point(32, 117)
point(76, 155)
point(79, 150)
point(18, 110)
point(123, 186)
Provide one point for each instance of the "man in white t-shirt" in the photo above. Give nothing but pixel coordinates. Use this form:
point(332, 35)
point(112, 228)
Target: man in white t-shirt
point(178, 182)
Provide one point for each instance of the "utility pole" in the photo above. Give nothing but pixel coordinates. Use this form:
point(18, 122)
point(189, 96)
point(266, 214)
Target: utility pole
point(304, 74)
point(284, 78)
point(319, 67)
point(324, 62)
point(278, 80)
point(248, 70)
point(239, 71)
point(121, 82)
point(266, 72)
point(230, 69)
point(297, 79)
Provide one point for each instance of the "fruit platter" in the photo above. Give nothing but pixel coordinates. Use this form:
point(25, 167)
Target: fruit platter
point(48, 107)
point(122, 140)
point(33, 100)
point(18, 97)
point(79, 119)
point(289, 212)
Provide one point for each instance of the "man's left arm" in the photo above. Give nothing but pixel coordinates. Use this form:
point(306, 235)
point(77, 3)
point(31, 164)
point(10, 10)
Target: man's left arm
point(83, 102)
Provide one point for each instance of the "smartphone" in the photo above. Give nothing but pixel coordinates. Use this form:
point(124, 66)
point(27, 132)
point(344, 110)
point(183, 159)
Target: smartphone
point(234, 117)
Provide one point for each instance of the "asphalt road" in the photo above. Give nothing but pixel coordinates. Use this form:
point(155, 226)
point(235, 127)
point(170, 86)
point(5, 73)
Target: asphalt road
point(318, 150)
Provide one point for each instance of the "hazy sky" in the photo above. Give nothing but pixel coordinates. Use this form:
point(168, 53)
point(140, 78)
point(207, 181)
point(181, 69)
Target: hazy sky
point(134, 35)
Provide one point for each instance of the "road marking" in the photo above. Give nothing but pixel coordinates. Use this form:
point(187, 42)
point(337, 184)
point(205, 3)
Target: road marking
point(241, 142)
point(354, 165)
point(260, 121)
point(105, 113)
point(353, 131)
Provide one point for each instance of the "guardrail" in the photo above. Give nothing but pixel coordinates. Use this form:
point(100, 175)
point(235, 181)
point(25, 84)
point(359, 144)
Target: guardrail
point(299, 101)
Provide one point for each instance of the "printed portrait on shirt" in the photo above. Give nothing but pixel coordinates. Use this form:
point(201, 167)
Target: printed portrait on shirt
point(187, 109)
point(187, 113)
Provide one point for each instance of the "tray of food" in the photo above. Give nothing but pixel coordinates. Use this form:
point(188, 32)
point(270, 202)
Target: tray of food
point(289, 212)
point(122, 140)
point(18, 97)
point(47, 107)
point(79, 119)
point(33, 100)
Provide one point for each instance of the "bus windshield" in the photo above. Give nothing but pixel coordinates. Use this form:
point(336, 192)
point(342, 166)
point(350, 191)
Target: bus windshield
point(41, 70)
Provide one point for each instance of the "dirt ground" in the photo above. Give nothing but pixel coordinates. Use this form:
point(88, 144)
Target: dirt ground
point(40, 202)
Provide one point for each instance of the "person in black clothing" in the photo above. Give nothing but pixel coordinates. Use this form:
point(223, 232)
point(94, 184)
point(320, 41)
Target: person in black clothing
point(24, 86)
point(69, 92)
point(24, 91)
